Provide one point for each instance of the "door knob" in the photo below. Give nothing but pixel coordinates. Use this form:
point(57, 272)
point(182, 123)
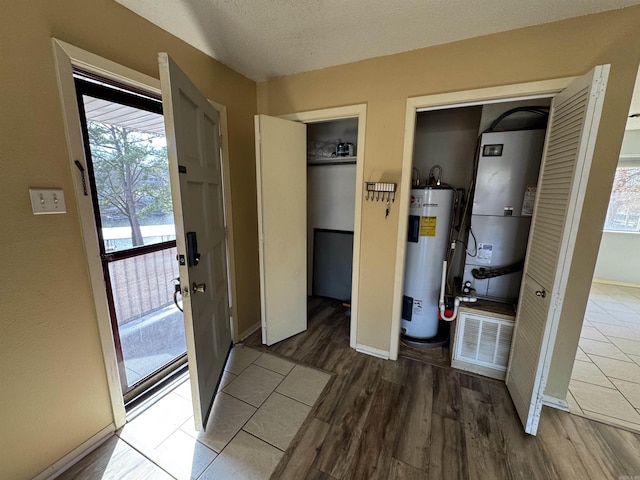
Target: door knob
point(541, 293)
point(198, 287)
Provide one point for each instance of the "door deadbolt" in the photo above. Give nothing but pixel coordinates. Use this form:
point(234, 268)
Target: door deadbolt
point(198, 287)
point(541, 293)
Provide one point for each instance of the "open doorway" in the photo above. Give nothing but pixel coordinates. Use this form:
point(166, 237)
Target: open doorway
point(331, 187)
point(475, 171)
point(309, 243)
point(605, 380)
point(128, 174)
point(574, 117)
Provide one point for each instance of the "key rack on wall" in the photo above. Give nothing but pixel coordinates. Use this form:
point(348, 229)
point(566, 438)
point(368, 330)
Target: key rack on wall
point(384, 191)
point(380, 191)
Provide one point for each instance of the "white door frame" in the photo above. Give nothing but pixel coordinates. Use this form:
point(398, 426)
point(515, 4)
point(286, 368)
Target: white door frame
point(67, 57)
point(358, 111)
point(465, 98)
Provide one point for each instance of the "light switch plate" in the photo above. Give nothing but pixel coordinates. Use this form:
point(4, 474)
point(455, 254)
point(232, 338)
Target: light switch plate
point(46, 201)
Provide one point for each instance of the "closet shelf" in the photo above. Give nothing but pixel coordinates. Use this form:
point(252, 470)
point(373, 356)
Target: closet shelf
point(331, 160)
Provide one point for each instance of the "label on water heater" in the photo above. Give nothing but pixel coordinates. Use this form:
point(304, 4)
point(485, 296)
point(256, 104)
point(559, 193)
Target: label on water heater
point(428, 226)
point(417, 307)
point(529, 200)
point(485, 252)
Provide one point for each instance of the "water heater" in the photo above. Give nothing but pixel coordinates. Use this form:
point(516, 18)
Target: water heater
point(428, 238)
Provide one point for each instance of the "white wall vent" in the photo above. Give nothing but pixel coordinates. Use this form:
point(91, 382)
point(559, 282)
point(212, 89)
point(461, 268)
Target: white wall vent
point(482, 341)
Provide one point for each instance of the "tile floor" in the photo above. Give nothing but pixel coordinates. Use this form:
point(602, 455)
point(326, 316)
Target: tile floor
point(605, 383)
point(261, 403)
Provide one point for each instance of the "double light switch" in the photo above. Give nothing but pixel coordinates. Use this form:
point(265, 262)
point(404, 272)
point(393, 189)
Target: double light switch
point(47, 201)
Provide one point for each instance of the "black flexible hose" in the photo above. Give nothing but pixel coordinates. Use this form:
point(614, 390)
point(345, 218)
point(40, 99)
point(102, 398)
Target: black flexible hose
point(543, 111)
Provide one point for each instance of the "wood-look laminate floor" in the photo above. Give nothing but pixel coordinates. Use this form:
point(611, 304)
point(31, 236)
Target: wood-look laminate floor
point(417, 418)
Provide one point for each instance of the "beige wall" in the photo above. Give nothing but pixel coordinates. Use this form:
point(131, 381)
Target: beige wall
point(53, 390)
point(560, 49)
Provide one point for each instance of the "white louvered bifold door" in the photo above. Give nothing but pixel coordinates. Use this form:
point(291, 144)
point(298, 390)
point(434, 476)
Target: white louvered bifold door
point(573, 126)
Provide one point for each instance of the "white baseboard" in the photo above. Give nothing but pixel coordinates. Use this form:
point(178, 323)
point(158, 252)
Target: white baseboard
point(555, 403)
point(77, 454)
point(249, 331)
point(375, 352)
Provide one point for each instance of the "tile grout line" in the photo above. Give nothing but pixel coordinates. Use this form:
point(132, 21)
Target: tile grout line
point(253, 406)
point(575, 400)
point(610, 358)
point(601, 371)
point(613, 418)
point(586, 411)
point(261, 439)
point(625, 397)
point(594, 384)
point(296, 400)
point(145, 456)
point(242, 428)
point(629, 360)
point(615, 389)
point(591, 383)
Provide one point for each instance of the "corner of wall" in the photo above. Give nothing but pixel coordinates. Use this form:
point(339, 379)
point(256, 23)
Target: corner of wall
point(262, 97)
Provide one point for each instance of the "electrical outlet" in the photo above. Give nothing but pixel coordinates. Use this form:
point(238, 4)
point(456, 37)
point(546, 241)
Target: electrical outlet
point(46, 201)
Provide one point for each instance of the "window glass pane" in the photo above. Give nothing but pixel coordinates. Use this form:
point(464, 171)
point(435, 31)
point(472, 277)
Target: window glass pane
point(623, 214)
point(131, 170)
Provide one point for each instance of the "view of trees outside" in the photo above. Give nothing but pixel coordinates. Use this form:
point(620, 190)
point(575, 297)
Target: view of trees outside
point(132, 179)
point(623, 214)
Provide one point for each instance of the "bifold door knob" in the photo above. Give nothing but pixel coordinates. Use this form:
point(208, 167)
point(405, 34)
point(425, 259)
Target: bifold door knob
point(541, 293)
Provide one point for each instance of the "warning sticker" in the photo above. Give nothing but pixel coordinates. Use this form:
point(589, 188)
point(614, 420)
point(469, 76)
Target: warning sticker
point(428, 226)
point(529, 200)
point(417, 306)
point(485, 251)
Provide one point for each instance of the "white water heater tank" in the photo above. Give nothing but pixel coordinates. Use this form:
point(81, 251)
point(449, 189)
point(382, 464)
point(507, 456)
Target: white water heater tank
point(428, 236)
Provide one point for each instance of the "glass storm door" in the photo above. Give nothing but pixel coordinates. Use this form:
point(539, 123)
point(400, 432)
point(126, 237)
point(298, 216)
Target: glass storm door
point(128, 177)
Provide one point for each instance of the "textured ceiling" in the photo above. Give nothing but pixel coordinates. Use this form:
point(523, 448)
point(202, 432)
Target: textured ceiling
point(263, 39)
